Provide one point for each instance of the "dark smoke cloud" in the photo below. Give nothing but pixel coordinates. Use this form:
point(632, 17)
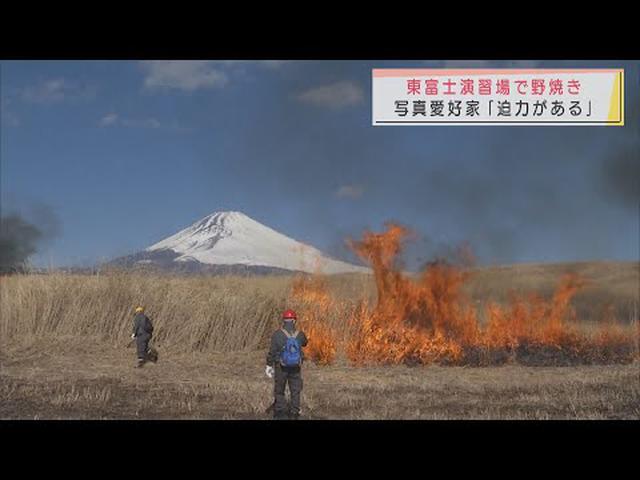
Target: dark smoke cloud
point(23, 232)
point(620, 172)
point(18, 241)
point(554, 185)
point(45, 218)
point(513, 193)
point(621, 176)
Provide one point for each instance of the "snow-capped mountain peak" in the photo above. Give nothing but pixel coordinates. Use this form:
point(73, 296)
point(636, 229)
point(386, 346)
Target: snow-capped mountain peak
point(233, 238)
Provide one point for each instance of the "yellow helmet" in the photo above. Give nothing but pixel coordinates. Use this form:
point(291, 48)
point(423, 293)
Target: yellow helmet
point(139, 309)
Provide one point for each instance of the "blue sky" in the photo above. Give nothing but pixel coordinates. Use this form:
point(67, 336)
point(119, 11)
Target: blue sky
point(125, 153)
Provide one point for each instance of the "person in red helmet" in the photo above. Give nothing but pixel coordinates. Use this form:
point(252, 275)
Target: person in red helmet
point(284, 364)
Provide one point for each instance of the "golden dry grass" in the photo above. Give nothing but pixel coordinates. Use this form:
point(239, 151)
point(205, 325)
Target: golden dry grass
point(63, 352)
point(66, 379)
point(231, 313)
point(189, 314)
point(608, 283)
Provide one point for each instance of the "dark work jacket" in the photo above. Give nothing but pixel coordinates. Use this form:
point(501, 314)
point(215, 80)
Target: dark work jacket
point(279, 340)
point(142, 326)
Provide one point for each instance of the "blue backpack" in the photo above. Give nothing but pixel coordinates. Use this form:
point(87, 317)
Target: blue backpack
point(291, 355)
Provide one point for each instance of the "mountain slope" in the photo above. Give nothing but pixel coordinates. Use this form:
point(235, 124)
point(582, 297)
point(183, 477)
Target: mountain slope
point(233, 239)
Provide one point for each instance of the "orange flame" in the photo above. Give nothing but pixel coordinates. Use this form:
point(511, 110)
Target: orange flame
point(426, 318)
point(314, 305)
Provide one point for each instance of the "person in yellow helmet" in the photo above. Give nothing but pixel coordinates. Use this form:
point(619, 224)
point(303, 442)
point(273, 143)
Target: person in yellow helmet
point(142, 333)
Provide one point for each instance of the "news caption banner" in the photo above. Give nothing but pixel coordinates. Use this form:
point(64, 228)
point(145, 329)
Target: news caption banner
point(590, 97)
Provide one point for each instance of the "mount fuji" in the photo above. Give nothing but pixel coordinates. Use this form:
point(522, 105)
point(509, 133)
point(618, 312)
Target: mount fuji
point(233, 242)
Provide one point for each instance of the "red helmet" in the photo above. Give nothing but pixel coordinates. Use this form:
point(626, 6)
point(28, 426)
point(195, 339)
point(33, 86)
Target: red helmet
point(289, 314)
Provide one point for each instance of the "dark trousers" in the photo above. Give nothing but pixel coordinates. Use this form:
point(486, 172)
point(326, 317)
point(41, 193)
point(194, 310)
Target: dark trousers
point(284, 376)
point(142, 346)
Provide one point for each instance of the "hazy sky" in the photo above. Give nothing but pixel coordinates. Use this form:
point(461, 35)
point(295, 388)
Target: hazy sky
point(113, 156)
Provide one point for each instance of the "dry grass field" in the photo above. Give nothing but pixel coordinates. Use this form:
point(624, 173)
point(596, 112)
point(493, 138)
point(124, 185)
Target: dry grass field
point(70, 380)
point(64, 354)
point(608, 283)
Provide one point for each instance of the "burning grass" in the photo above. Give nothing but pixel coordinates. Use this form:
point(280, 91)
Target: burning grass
point(429, 319)
point(312, 298)
point(434, 317)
